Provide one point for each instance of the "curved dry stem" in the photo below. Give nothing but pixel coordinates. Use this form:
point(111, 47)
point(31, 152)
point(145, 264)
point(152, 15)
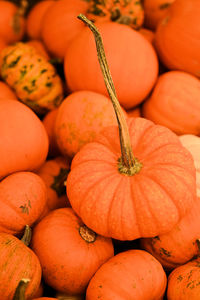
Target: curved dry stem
point(21, 288)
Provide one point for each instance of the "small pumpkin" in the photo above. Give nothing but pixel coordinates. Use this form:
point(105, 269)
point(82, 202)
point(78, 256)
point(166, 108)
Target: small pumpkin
point(23, 197)
point(132, 274)
point(17, 262)
point(34, 80)
point(178, 48)
point(175, 103)
point(147, 33)
point(184, 283)
point(6, 92)
point(24, 141)
point(77, 251)
point(39, 46)
point(125, 196)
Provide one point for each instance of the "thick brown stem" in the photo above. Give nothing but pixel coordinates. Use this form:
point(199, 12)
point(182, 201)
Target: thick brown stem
point(19, 13)
point(129, 164)
point(27, 235)
point(21, 288)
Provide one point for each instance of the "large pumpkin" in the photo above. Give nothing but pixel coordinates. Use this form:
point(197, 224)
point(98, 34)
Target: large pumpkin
point(133, 63)
point(34, 80)
point(175, 102)
point(126, 196)
point(177, 37)
point(69, 252)
point(133, 274)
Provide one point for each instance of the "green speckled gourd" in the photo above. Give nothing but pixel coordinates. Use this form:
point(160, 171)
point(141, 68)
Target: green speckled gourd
point(34, 80)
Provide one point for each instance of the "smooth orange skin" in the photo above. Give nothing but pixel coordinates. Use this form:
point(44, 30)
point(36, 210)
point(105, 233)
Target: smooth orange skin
point(155, 11)
point(7, 31)
point(129, 207)
point(6, 92)
point(60, 24)
point(133, 63)
point(17, 262)
point(48, 171)
point(179, 245)
point(23, 197)
point(174, 103)
point(49, 124)
point(38, 45)
point(35, 18)
point(177, 37)
point(3, 44)
point(73, 257)
point(133, 274)
point(80, 117)
point(147, 33)
point(184, 283)
point(24, 141)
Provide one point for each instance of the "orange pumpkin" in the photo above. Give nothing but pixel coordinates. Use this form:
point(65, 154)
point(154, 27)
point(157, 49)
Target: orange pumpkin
point(80, 117)
point(175, 103)
point(23, 196)
point(12, 21)
point(3, 44)
point(35, 18)
point(17, 262)
point(133, 63)
point(130, 13)
point(125, 196)
point(32, 77)
point(77, 251)
point(177, 37)
point(24, 141)
point(133, 274)
point(135, 112)
point(6, 92)
point(21, 289)
point(54, 173)
point(180, 244)
point(155, 11)
point(39, 47)
point(147, 33)
point(184, 283)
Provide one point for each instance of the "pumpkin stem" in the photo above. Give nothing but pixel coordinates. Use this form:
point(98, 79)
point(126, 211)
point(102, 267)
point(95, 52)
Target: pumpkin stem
point(87, 234)
point(21, 288)
point(27, 235)
point(19, 13)
point(128, 164)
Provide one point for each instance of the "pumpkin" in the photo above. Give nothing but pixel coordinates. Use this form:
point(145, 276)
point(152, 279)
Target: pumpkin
point(184, 283)
point(129, 12)
point(177, 37)
point(21, 289)
point(54, 173)
point(133, 63)
point(49, 124)
point(39, 47)
point(35, 17)
point(155, 11)
point(3, 44)
point(24, 141)
point(132, 274)
point(34, 80)
point(135, 112)
point(80, 117)
point(12, 21)
point(147, 33)
point(125, 196)
point(77, 251)
point(180, 244)
point(59, 24)
point(17, 262)
point(6, 92)
point(175, 103)
point(62, 296)
point(192, 143)
point(23, 196)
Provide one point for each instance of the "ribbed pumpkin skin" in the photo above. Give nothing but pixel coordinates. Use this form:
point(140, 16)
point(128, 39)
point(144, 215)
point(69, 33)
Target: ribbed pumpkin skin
point(26, 148)
point(184, 283)
point(32, 77)
point(174, 103)
point(133, 274)
point(179, 245)
point(17, 262)
point(132, 61)
point(64, 254)
point(12, 28)
point(177, 37)
point(23, 196)
point(142, 205)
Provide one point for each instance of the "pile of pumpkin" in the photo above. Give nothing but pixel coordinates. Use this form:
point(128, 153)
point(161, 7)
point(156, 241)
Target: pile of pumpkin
point(99, 147)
